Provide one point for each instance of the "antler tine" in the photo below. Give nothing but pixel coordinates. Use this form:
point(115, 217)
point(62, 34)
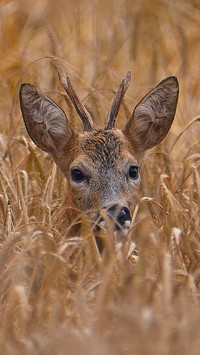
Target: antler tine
point(112, 114)
point(80, 108)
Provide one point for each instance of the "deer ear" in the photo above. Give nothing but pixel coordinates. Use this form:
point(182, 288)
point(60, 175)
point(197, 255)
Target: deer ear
point(153, 116)
point(45, 122)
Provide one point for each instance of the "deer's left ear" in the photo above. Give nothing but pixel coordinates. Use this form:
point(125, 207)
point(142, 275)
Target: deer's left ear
point(153, 116)
point(45, 121)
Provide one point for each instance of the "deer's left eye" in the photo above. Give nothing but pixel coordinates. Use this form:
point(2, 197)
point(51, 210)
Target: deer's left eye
point(77, 175)
point(134, 172)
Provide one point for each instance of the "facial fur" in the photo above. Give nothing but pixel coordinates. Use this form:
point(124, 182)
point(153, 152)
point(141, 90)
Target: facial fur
point(104, 158)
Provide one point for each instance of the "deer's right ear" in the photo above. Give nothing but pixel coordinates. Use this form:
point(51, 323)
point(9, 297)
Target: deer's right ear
point(45, 122)
point(153, 116)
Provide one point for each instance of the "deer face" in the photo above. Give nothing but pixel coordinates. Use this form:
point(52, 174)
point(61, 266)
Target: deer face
point(102, 167)
point(103, 173)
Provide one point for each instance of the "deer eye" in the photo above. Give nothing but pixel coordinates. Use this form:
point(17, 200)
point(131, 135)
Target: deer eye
point(134, 172)
point(77, 175)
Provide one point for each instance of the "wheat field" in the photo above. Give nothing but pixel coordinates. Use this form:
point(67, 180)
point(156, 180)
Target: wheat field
point(57, 296)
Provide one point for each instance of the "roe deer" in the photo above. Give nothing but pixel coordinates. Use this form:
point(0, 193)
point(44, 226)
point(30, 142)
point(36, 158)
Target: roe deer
point(101, 165)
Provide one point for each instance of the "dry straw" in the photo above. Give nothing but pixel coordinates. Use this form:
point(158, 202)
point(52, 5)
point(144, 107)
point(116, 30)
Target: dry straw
point(57, 294)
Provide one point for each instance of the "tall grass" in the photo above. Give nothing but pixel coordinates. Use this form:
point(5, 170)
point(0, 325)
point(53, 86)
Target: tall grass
point(57, 296)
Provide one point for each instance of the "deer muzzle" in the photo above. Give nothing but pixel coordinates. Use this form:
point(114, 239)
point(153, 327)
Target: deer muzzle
point(116, 217)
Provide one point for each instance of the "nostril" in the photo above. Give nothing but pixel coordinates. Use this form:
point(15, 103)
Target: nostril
point(119, 216)
point(123, 216)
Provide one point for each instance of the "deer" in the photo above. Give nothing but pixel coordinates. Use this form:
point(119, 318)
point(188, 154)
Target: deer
point(101, 165)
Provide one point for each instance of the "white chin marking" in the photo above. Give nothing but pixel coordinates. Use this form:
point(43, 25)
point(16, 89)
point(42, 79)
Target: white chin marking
point(102, 223)
point(121, 233)
point(127, 224)
point(125, 229)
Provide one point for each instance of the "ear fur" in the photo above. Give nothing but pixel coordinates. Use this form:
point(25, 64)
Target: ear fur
point(45, 122)
point(153, 116)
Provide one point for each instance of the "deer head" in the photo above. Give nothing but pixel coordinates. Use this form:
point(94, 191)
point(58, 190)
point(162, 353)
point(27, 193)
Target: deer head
point(102, 166)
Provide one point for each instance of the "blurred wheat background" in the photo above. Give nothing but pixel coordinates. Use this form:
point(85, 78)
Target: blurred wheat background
point(56, 296)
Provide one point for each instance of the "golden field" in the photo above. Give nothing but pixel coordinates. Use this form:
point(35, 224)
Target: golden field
point(57, 296)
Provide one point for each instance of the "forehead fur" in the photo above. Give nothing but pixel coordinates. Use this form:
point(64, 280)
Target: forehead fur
point(104, 146)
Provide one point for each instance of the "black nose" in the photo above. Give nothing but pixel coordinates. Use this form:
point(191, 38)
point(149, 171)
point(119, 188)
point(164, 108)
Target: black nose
point(121, 214)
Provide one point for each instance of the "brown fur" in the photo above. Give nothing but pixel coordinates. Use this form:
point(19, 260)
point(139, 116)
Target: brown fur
point(103, 156)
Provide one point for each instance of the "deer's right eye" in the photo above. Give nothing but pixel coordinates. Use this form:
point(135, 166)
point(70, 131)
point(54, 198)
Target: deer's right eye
point(77, 175)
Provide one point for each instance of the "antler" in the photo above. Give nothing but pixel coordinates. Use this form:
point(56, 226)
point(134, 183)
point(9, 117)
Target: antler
point(112, 114)
point(80, 108)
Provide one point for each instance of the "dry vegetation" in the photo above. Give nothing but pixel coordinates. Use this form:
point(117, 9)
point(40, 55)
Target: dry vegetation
point(56, 295)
